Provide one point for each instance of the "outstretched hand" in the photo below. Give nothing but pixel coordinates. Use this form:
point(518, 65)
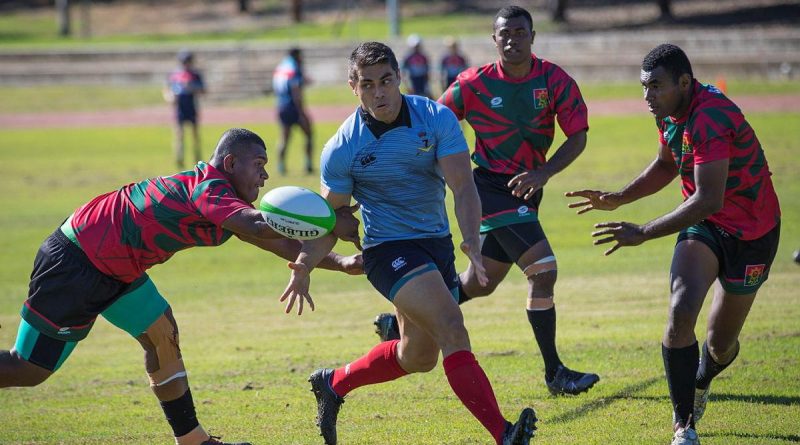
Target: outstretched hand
point(297, 289)
point(624, 233)
point(595, 200)
point(475, 257)
point(346, 228)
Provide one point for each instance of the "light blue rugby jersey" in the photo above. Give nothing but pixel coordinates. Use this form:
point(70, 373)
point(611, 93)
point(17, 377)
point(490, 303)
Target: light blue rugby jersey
point(395, 178)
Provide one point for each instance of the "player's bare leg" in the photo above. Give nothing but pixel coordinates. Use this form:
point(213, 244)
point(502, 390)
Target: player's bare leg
point(496, 271)
point(426, 302)
point(16, 371)
point(169, 381)
point(198, 154)
point(286, 134)
point(305, 125)
point(177, 144)
point(538, 264)
point(694, 269)
point(725, 321)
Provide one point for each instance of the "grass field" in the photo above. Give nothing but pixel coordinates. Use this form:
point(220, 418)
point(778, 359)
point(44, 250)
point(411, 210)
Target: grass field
point(248, 362)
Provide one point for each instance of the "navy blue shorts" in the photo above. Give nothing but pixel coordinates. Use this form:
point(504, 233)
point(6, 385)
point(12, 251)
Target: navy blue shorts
point(185, 109)
point(288, 115)
point(743, 265)
point(388, 264)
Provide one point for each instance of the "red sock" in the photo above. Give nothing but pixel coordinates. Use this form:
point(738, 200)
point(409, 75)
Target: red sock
point(471, 385)
point(378, 365)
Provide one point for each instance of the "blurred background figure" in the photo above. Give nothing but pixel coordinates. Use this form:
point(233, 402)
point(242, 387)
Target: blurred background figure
point(416, 69)
point(288, 82)
point(453, 62)
point(184, 85)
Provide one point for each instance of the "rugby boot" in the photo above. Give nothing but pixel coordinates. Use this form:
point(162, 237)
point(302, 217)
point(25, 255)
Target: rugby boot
point(567, 381)
point(685, 436)
point(328, 404)
point(521, 432)
point(386, 327)
point(214, 440)
point(700, 400)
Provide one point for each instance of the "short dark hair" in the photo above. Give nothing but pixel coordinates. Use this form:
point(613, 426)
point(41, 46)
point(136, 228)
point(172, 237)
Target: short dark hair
point(295, 52)
point(368, 54)
point(509, 12)
point(669, 56)
point(234, 140)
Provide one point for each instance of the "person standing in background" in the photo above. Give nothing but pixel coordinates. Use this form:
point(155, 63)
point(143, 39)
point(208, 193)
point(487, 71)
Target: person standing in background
point(416, 69)
point(453, 63)
point(288, 82)
point(183, 86)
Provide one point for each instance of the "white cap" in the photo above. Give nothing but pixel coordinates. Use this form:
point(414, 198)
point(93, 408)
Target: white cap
point(413, 40)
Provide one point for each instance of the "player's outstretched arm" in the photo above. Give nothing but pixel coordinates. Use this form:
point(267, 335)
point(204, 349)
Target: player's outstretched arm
point(655, 177)
point(311, 254)
point(708, 198)
point(458, 175)
point(288, 249)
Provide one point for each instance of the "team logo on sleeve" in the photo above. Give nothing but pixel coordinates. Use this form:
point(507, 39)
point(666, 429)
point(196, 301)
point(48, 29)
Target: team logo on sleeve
point(753, 274)
point(541, 98)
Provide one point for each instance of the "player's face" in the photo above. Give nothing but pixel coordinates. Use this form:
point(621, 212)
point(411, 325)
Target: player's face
point(513, 39)
point(378, 88)
point(247, 171)
point(664, 96)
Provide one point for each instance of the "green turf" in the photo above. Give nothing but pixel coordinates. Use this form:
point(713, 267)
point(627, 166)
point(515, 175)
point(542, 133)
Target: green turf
point(248, 361)
point(23, 29)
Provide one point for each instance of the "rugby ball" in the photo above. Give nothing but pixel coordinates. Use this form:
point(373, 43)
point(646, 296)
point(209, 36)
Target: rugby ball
point(297, 212)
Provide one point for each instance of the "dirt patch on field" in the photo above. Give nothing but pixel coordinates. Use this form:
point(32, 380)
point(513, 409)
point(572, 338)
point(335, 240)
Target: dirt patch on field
point(228, 115)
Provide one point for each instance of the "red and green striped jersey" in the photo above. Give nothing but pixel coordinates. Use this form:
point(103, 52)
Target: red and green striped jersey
point(514, 119)
point(127, 231)
point(714, 128)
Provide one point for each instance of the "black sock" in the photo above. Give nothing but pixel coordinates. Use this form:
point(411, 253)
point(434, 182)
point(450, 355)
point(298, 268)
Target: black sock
point(681, 367)
point(180, 414)
point(462, 296)
point(709, 369)
point(544, 329)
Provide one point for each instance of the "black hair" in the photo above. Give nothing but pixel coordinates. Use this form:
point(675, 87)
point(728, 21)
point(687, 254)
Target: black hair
point(669, 56)
point(369, 54)
point(294, 52)
point(234, 140)
point(509, 12)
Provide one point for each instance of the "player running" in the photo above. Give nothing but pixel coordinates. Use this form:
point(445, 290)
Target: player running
point(728, 225)
point(394, 156)
point(96, 263)
point(513, 105)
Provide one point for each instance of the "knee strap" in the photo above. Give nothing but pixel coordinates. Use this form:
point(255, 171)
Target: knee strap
point(164, 364)
point(542, 265)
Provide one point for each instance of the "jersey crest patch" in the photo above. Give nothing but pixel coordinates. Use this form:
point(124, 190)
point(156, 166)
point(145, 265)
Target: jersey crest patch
point(753, 274)
point(541, 98)
point(686, 145)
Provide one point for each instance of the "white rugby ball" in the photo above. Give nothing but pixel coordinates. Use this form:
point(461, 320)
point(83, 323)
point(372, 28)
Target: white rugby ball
point(297, 212)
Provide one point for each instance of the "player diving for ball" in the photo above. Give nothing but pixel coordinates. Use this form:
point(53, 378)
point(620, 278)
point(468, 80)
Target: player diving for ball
point(394, 155)
point(96, 263)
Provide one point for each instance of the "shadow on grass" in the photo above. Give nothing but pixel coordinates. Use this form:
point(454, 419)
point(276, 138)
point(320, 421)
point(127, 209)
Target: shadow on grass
point(761, 398)
point(785, 437)
point(625, 393)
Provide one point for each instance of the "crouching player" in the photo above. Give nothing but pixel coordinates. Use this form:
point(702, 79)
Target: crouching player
point(95, 263)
